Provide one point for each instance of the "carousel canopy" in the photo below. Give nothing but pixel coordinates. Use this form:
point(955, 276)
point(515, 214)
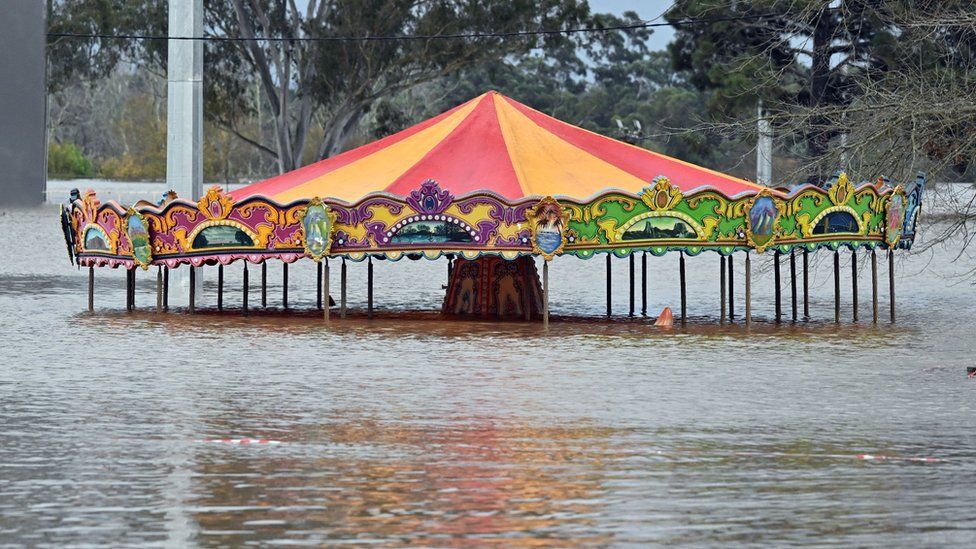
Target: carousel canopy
point(491, 143)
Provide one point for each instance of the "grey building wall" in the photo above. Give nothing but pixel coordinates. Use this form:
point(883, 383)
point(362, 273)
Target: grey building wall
point(22, 102)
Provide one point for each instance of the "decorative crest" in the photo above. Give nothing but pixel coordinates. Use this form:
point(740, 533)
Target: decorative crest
point(430, 198)
point(662, 195)
point(216, 204)
point(549, 222)
point(841, 191)
point(89, 206)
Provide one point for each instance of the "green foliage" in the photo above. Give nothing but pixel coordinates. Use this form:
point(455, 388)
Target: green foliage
point(66, 160)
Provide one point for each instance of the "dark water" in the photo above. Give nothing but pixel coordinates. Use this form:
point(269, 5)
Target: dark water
point(419, 432)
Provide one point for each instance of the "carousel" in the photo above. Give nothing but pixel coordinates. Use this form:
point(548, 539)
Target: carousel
point(494, 187)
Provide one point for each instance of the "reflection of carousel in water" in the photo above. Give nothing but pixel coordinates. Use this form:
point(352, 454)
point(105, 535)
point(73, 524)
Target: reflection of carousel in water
point(494, 185)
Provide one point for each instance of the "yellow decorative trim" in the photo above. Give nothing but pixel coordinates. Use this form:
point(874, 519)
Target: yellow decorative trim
point(662, 196)
point(807, 228)
point(747, 209)
point(215, 196)
point(699, 230)
point(110, 242)
point(303, 237)
point(220, 222)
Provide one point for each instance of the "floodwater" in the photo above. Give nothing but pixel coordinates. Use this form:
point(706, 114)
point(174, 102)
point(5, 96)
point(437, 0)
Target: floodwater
point(126, 429)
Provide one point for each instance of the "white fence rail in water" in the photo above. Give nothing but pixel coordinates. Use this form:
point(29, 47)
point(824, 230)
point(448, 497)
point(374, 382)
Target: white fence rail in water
point(124, 192)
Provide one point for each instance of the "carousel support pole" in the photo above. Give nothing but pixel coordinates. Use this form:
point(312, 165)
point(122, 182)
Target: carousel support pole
point(721, 288)
point(369, 287)
point(246, 288)
point(324, 287)
point(220, 287)
point(836, 286)
point(806, 284)
point(545, 294)
point(166, 288)
point(284, 285)
point(609, 288)
point(854, 282)
point(776, 281)
point(874, 285)
point(644, 284)
point(793, 283)
point(731, 291)
point(264, 283)
point(91, 288)
point(159, 289)
point(748, 290)
point(193, 289)
point(318, 287)
point(632, 260)
point(342, 289)
point(684, 295)
point(130, 283)
point(891, 281)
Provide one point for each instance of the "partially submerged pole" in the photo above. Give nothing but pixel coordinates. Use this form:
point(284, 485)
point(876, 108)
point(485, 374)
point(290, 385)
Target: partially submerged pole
point(284, 285)
point(545, 294)
point(721, 288)
point(806, 284)
point(193, 289)
point(748, 290)
point(644, 284)
point(220, 287)
point(369, 287)
point(609, 288)
point(342, 284)
point(891, 281)
point(836, 286)
point(91, 288)
point(854, 282)
point(793, 283)
point(159, 289)
point(324, 288)
point(264, 283)
point(165, 288)
point(874, 286)
point(631, 312)
point(776, 281)
point(318, 286)
point(246, 288)
point(130, 284)
point(684, 300)
point(731, 291)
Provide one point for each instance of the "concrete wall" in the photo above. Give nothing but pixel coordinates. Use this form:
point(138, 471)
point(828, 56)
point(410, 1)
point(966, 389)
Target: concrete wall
point(22, 102)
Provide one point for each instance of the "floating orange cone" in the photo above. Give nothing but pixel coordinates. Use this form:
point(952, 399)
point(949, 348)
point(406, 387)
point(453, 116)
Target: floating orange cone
point(665, 319)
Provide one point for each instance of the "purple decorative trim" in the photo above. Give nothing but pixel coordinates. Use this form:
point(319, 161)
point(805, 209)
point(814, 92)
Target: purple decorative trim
point(430, 198)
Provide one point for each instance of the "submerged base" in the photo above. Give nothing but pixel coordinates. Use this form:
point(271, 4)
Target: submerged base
point(492, 287)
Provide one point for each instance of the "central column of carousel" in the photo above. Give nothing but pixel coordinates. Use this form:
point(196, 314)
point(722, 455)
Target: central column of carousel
point(493, 287)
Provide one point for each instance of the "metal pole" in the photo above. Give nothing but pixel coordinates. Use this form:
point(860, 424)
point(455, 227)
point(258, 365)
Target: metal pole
point(684, 300)
point(793, 283)
point(91, 288)
point(836, 286)
point(159, 289)
point(545, 294)
point(854, 283)
point(891, 281)
point(284, 285)
point(874, 285)
point(324, 288)
point(369, 287)
point(318, 287)
point(748, 290)
point(806, 284)
point(609, 288)
point(193, 289)
point(165, 288)
point(342, 284)
point(731, 291)
point(264, 283)
point(644, 285)
point(721, 288)
point(776, 281)
point(220, 287)
point(632, 260)
point(130, 283)
point(246, 288)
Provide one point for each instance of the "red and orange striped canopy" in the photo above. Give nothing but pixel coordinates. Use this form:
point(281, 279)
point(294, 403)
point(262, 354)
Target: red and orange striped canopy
point(491, 143)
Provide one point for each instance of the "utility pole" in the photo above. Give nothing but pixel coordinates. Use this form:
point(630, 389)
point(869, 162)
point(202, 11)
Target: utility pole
point(184, 111)
point(764, 148)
